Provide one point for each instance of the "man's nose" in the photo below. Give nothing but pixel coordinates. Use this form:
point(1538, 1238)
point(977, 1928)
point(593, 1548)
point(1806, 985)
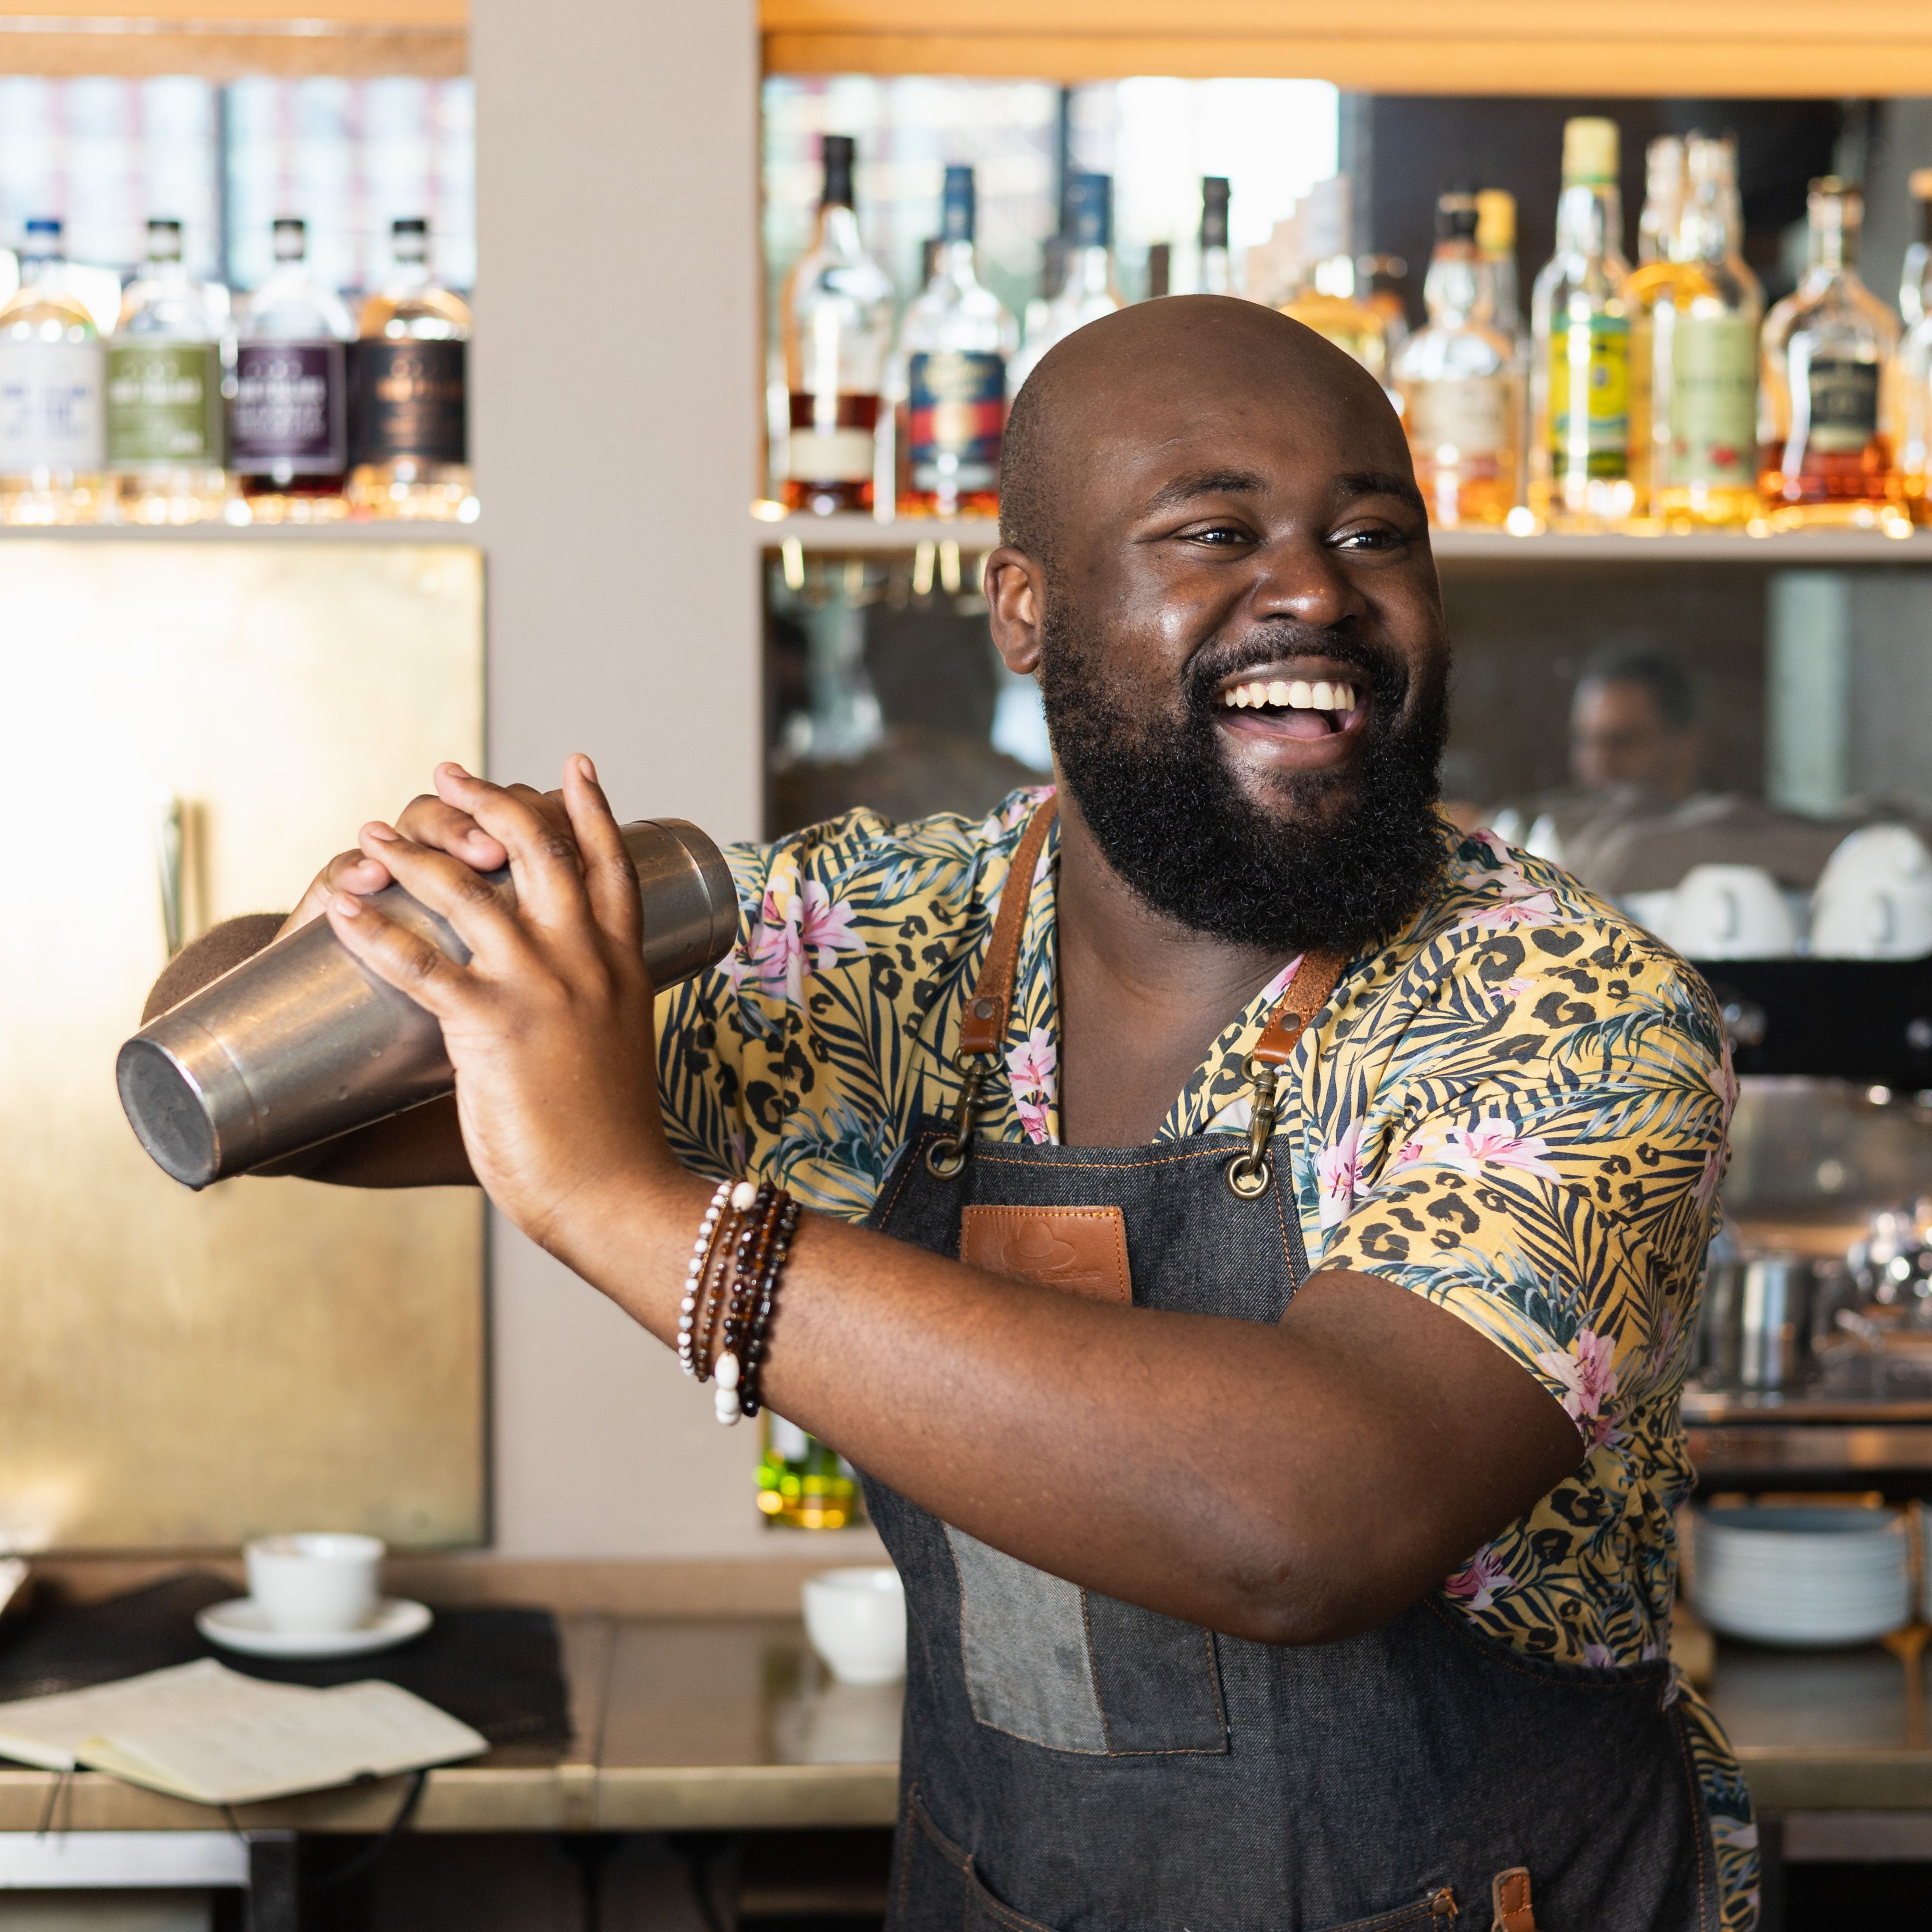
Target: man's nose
point(1302, 579)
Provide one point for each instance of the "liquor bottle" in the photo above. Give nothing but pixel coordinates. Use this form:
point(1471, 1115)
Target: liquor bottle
point(1702, 352)
point(1653, 280)
point(1915, 284)
point(288, 421)
point(804, 1485)
point(1826, 375)
point(51, 371)
point(952, 376)
point(1326, 297)
point(837, 307)
point(1214, 275)
point(408, 386)
point(1579, 367)
point(1087, 290)
point(1496, 236)
point(164, 404)
point(1457, 379)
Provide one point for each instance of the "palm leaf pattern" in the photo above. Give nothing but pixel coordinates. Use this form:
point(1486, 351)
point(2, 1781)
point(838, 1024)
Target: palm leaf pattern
point(1516, 1108)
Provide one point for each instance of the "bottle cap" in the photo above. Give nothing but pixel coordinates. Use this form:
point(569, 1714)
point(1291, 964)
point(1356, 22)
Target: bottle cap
point(164, 238)
point(959, 206)
point(409, 239)
point(1089, 210)
point(840, 152)
point(1495, 220)
point(1456, 216)
point(1920, 184)
point(1213, 212)
point(43, 236)
point(1590, 151)
point(291, 238)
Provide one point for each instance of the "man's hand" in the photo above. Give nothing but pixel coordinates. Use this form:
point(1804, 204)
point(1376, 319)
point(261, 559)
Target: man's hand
point(433, 820)
point(549, 1026)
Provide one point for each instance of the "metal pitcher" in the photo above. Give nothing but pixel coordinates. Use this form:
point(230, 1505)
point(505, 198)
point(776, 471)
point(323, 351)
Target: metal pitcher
point(301, 1043)
point(1759, 1314)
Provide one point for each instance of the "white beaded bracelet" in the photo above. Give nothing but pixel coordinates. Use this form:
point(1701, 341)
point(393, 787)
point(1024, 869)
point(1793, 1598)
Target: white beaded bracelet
point(694, 1276)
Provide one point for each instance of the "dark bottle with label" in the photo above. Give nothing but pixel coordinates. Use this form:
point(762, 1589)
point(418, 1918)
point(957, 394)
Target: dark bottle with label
point(1826, 448)
point(950, 376)
point(288, 417)
point(410, 370)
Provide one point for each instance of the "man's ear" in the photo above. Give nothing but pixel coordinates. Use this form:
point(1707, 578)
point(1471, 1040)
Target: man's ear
point(1016, 598)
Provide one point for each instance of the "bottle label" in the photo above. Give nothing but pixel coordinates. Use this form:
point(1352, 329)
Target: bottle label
point(958, 412)
point(410, 401)
point(839, 450)
point(1844, 396)
point(291, 413)
point(1460, 419)
point(1713, 400)
point(50, 407)
point(163, 404)
point(1589, 398)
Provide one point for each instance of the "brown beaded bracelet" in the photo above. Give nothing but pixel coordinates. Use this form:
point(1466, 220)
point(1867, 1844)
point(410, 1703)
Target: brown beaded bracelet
point(709, 1294)
point(759, 1330)
point(753, 1255)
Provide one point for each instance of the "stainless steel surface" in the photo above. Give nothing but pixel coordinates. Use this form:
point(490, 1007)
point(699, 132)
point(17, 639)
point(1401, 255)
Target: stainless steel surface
point(1758, 1317)
point(300, 1043)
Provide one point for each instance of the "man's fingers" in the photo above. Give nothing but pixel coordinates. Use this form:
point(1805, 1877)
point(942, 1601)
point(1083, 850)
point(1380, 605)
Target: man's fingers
point(348, 872)
point(429, 821)
point(409, 962)
point(482, 917)
point(544, 862)
point(609, 877)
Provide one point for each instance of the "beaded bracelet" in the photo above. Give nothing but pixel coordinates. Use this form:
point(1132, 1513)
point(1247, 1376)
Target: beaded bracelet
point(760, 1328)
point(753, 1242)
point(700, 1255)
point(714, 1282)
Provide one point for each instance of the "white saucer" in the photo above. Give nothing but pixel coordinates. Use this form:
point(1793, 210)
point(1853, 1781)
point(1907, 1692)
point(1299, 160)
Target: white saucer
point(240, 1625)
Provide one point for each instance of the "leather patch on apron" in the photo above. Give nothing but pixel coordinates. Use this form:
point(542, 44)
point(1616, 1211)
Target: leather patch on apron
point(1077, 1250)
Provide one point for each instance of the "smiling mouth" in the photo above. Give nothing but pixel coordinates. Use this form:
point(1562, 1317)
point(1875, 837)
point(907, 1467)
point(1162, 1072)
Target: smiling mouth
point(1307, 708)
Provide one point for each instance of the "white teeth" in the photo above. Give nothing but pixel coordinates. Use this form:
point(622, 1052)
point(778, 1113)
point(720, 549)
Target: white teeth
point(1296, 694)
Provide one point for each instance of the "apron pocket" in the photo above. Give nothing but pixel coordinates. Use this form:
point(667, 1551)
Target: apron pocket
point(1054, 1665)
point(1438, 1909)
point(937, 1888)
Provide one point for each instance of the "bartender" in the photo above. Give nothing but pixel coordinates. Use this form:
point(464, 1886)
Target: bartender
point(1246, 1232)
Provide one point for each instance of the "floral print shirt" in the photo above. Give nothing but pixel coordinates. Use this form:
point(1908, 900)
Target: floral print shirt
point(1516, 1109)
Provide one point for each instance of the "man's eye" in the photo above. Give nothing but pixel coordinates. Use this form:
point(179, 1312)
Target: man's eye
point(1218, 534)
point(1376, 537)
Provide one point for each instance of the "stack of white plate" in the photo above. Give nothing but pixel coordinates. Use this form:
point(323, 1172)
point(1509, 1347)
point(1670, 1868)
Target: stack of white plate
point(1802, 1576)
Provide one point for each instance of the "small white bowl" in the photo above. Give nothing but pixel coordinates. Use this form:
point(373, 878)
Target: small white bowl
point(322, 1580)
point(857, 1620)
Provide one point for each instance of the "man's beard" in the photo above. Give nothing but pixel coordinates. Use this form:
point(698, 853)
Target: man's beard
point(1343, 859)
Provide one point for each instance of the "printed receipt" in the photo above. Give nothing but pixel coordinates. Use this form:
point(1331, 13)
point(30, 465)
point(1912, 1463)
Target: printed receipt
point(201, 1731)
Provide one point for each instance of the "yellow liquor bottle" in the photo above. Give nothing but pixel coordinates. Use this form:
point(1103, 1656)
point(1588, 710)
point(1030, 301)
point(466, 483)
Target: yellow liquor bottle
point(1702, 348)
point(1580, 328)
point(1327, 299)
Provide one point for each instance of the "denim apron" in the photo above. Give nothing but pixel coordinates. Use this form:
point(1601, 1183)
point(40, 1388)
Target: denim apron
point(1074, 1762)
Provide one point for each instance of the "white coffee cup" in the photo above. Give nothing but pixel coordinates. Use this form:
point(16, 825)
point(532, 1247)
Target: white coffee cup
point(1652, 911)
point(322, 1580)
point(1731, 912)
point(1873, 919)
point(1875, 854)
point(857, 1620)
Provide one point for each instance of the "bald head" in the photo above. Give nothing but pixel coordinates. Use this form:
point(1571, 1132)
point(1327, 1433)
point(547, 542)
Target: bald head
point(1138, 374)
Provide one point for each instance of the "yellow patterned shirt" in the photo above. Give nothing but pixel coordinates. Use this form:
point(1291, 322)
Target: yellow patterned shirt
point(1516, 1109)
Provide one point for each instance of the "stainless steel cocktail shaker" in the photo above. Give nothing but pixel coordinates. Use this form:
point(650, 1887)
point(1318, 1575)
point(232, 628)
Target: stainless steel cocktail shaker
point(301, 1043)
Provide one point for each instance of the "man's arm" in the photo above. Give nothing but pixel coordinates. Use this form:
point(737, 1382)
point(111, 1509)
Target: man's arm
point(1294, 1483)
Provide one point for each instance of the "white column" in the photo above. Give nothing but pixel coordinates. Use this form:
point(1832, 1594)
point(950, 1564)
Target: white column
point(616, 423)
point(1808, 690)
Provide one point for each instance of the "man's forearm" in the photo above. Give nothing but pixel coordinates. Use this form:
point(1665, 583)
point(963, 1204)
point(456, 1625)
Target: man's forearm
point(422, 1148)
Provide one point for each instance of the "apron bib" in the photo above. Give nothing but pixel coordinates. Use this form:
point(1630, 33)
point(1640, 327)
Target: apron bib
point(1078, 1764)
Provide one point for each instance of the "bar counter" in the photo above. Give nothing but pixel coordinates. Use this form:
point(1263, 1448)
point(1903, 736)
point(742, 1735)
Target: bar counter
point(707, 1720)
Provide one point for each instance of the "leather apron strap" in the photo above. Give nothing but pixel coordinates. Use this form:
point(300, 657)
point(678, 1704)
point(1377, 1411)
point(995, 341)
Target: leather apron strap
point(982, 1026)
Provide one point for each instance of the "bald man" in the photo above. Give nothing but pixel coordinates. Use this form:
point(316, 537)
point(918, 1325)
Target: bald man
point(1250, 1231)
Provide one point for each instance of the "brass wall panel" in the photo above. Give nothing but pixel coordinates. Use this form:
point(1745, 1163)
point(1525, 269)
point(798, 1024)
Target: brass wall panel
point(178, 1370)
